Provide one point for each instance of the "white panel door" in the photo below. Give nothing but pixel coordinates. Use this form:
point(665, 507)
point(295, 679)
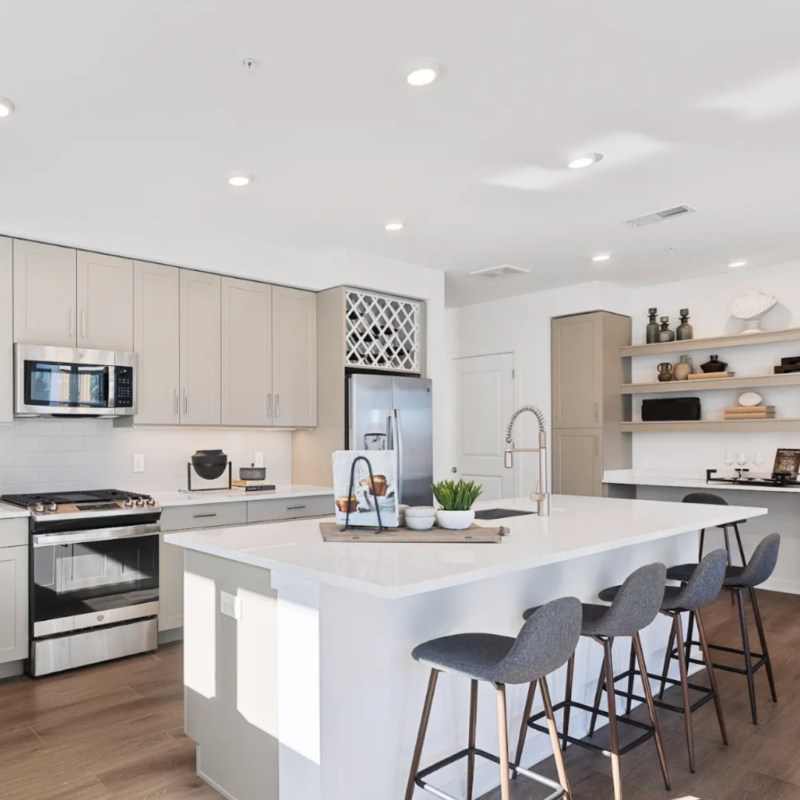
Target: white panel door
point(156, 341)
point(484, 403)
point(200, 348)
point(246, 353)
point(45, 294)
point(105, 302)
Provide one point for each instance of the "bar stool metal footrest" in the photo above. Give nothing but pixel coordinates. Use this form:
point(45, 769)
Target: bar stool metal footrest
point(706, 691)
point(759, 661)
point(570, 704)
point(419, 778)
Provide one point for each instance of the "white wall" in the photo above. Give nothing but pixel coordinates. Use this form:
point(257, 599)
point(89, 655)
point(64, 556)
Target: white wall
point(708, 300)
point(51, 455)
point(521, 325)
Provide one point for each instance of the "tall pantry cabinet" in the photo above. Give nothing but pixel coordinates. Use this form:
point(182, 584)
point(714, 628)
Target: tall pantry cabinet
point(587, 406)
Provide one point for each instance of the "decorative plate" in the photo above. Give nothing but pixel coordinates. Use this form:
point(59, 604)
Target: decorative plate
point(750, 399)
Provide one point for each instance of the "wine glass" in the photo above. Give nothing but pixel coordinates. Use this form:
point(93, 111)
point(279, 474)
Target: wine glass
point(757, 461)
point(741, 460)
point(727, 458)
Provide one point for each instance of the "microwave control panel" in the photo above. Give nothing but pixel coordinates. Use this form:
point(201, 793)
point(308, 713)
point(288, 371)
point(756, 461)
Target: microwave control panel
point(123, 379)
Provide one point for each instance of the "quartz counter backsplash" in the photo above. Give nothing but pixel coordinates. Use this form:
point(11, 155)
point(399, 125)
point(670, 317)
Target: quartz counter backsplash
point(52, 455)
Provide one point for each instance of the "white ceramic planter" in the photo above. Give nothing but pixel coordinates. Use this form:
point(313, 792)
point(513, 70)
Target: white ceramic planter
point(455, 520)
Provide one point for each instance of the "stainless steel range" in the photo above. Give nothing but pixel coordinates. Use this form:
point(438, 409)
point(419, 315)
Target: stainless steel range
point(93, 576)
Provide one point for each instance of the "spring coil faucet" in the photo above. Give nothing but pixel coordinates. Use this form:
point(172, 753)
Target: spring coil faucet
point(540, 493)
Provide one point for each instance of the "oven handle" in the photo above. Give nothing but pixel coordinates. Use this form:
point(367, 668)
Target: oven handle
point(99, 535)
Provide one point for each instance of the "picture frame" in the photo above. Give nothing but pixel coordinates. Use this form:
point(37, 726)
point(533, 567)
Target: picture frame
point(787, 462)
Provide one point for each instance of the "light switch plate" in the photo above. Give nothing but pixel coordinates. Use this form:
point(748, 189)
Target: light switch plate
point(138, 462)
point(230, 605)
point(259, 459)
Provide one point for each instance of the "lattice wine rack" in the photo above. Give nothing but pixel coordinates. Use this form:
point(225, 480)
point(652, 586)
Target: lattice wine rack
point(382, 332)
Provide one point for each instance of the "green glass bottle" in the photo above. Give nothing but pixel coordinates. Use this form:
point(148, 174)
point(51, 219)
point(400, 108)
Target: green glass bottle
point(652, 327)
point(685, 330)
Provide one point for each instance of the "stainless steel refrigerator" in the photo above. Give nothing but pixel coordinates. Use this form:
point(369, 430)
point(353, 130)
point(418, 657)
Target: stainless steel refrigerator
point(390, 412)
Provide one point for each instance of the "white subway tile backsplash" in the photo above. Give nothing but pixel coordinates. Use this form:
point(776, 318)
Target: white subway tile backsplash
point(58, 455)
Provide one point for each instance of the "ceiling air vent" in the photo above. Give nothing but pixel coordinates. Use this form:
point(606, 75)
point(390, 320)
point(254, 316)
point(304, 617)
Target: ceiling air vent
point(660, 216)
point(503, 271)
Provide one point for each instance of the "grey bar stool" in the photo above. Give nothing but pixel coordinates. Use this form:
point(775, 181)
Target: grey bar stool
point(543, 645)
point(702, 588)
point(737, 581)
point(715, 500)
point(635, 606)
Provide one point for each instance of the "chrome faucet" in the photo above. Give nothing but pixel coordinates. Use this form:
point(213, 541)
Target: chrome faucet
point(540, 493)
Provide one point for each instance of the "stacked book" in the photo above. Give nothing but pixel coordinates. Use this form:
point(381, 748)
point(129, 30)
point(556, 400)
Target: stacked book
point(750, 412)
point(253, 486)
point(788, 365)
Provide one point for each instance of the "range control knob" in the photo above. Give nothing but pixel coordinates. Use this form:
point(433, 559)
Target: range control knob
point(128, 503)
point(39, 508)
point(52, 507)
point(150, 501)
point(140, 502)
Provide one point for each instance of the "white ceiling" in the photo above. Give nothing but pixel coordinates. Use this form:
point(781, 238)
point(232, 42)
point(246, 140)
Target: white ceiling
point(131, 113)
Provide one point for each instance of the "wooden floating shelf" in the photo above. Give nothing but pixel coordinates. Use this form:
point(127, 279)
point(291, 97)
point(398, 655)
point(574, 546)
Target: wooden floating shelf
point(710, 426)
point(711, 384)
point(712, 343)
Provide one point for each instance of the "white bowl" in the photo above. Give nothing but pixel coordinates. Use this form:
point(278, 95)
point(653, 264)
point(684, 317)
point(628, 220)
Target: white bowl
point(420, 523)
point(455, 520)
point(422, 512)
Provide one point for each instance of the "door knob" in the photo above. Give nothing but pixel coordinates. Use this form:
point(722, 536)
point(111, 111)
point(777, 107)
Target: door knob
point(454, 469)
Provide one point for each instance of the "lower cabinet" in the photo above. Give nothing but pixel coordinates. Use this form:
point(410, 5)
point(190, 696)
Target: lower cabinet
point(14, 602)
point(170, 586)
point(577, 462)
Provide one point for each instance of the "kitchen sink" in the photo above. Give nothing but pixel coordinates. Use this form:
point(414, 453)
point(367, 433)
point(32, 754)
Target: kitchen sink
point(500, 513)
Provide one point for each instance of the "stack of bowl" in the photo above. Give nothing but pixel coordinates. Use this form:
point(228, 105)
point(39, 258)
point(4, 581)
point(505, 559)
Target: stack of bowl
point(420, 518)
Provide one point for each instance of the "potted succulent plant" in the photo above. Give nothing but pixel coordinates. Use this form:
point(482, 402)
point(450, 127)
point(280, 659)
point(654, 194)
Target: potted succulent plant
point(456, 501)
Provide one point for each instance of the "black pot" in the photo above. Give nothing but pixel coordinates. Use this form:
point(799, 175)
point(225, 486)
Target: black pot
point(209, 464)
point(714, 365)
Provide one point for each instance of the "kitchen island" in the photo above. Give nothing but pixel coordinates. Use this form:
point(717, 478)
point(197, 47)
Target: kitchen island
point(299, 679)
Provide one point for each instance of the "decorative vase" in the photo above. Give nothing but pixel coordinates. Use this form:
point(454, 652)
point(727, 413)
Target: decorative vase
point(714, 365)
point(750, 399)
point(665, 372)
point(682, 370)
point(664, 333)
point(454, 520)
point(685, 330)
point(652, 327)
point(751, 307)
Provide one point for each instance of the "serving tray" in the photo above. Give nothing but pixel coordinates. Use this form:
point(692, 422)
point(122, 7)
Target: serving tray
point(475, 534)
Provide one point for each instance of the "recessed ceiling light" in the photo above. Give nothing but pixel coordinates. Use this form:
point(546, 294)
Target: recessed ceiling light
point(240, 180)
point(585, 161)
point(601, 257)
point(6, 107)
point(423, 76)
point(735, 264)
point(394, 226)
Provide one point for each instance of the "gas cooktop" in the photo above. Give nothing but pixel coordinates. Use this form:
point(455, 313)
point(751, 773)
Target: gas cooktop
point(94, 500)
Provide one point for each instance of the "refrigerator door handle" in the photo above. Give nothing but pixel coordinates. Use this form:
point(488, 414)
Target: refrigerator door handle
point(397, 441)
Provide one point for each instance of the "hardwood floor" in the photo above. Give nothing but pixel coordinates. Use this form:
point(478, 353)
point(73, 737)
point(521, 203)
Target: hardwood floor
point(110, 731)
point(760, 762)
point(116, 731)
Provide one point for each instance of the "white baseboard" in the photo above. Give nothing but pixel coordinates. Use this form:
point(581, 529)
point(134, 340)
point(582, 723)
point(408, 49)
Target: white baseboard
point(208, 780)
point(781, 585)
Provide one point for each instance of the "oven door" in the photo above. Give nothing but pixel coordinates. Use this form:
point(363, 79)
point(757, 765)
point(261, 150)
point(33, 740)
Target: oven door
point(86, 579)
point(60, 380)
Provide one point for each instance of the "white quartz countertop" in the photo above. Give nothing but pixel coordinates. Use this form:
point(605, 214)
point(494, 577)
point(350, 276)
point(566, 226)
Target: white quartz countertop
point(630, 477)
point(12, 512)
point(224, 496)
point(578, 526)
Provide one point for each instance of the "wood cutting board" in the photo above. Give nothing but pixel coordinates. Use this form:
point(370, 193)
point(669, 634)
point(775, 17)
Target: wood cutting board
point(475, 534)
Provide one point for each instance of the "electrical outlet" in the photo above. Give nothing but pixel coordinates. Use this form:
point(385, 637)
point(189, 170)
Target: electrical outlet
point(138, 462)
point(259, 460)
point(230, 605)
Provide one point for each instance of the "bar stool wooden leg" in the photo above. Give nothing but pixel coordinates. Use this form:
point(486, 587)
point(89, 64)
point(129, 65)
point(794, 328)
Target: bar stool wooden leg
point(748, 662)
point(631, 668)
point(568, 698)
point(711, 676)
point(689, 635)
point(473, 722)
point(551, 725)
point(523, 731)
point(728, 550)
point(739, 542)
point(687, 706)
point(423, 728)
point(502, 735)
point(763, 639)
point(648, 693)
point(612, 718)
point(667, 660)
point(702, 544)
point(601, 682)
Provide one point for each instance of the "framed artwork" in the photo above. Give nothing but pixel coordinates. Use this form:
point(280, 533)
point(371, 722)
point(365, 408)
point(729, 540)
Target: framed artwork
point(787, 462)
point(366, 497)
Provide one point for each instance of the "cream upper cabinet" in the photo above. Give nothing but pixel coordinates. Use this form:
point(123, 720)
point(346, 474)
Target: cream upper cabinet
point(6, 331)
point(246, 353)
point(45, 289)
point(200, 348)
point(577, 371)
point(294, 371)
point(105, 302)
point(156, 340)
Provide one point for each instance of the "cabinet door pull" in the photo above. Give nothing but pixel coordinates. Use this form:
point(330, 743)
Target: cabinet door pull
point(203, 516)
point(83, 323)
point(71, 321)
point(277, 405)
point(175, 402)
point(294, 508)
point(597, 412)
point(597, 445)
point(269, 406)
point(185, 401)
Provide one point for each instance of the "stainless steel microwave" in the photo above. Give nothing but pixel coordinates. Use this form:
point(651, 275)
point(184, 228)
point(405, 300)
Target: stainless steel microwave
point(56, 381)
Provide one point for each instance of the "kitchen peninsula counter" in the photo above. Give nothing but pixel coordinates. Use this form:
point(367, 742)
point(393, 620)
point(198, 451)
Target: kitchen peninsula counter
point(303, 686)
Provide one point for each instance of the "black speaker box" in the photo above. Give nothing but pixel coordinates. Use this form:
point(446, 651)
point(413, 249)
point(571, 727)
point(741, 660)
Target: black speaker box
point(671, 409)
